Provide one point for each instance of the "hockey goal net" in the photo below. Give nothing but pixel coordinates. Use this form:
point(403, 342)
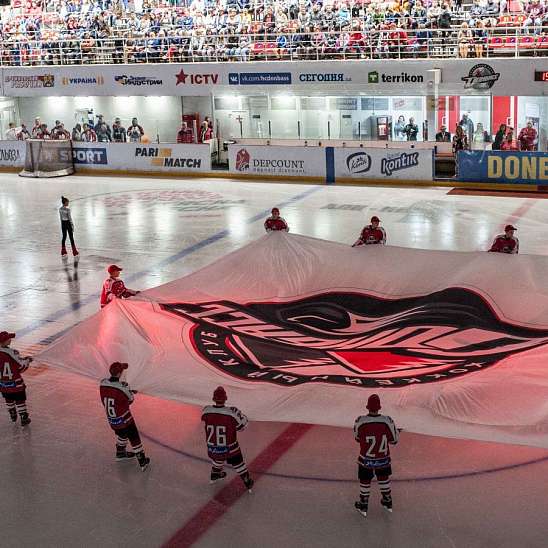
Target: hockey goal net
point(48, 158)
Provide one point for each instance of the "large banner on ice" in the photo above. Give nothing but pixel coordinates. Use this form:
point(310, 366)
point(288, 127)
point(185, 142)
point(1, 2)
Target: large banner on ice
point(379, 163)
point(508, 167)
point(439, 335)
point(277, 160)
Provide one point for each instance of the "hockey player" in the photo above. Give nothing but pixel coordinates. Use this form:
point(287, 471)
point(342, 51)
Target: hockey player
point(275, 222)
point(113, 287)
point(221, 427)
point(371, 234)
point(12, 386)
point(507, 242)
point(116, 397)
point(374, 432)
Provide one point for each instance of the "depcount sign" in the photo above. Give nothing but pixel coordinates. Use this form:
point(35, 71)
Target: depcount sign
point(276, 160)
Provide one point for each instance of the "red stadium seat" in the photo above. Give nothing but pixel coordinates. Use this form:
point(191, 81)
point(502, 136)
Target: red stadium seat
point(496, 42)
point(527, 42)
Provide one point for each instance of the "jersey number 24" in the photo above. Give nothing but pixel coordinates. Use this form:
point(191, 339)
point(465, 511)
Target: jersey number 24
point(6, 372)
point(374, 452)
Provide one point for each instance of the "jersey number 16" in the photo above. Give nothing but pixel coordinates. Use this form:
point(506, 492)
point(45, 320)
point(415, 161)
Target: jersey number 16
point(109, 406)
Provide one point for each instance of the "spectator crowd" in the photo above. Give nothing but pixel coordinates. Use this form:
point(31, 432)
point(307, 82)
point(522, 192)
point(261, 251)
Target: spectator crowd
point(121, 31)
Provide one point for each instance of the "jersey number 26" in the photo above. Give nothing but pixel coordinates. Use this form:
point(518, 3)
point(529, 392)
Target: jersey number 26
point(216, 435)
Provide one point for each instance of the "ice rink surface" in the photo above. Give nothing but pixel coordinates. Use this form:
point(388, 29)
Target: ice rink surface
point(60, 486)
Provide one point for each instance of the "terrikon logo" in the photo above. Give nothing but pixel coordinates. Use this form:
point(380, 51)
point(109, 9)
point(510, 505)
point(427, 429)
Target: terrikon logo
point(481, 76)
point(399, 162)
point(354, 339)
point(359, 162)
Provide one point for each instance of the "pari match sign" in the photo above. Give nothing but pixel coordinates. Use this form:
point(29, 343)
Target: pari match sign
point(142, 157)
point(526, 168)
point(359, 163)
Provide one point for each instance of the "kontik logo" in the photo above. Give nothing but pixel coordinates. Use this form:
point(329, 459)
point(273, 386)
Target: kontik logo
point(354, 339)
point(163, 157)
point(359, 162)
point(397, 162)
point(196, 79)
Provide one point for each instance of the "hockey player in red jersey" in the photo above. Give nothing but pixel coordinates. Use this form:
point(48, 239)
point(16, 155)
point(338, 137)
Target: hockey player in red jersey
point(507, 242)
point(371, 234)
point(374, 432)
point(221, 428)
point(12, 385)
point(113, 287)
point(275, 222)
point(116, 397)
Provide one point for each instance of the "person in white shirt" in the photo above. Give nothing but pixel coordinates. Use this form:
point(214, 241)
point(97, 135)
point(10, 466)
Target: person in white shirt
point(12, 132)
point(67, 227)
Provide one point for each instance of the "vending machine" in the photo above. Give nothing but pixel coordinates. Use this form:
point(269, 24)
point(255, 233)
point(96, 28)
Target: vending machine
point(381, 128)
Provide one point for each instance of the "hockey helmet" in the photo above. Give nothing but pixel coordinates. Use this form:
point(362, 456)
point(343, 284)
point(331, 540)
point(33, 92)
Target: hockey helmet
point(117, 368)
point(5, 336)
point(509, 227)
point(219, 396)
point(373, 403)
point(375, 219)
point(275, 210)
point(114, 268)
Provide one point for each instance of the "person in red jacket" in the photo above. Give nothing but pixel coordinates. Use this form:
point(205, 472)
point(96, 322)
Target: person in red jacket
point(116, 397)
point(374, 432)
point(507, 242)
point(371, 234)
point(527, 137)
point(275, 222)
point(222, 425)
point(12, 385)
point(113, 287)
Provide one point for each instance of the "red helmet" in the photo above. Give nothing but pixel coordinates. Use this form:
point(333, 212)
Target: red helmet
point(375, 219)
point(113, 268)
point(5, 336)
point(219, 396)
point(275, 210)
point(509, 227)
point(373, 403)
point(117, 368)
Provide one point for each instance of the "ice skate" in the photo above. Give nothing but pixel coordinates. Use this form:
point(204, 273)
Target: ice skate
point(361, 506)
point(25, 419)
point(386, 502)
point(13, 415)
point(248, 482)
point(64, 253)
point(123, 455)
point(143, 461)
point(75, 252)
point(217, 476)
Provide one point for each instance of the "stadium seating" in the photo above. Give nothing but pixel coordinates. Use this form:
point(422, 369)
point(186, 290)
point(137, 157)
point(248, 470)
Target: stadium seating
point(35, 32)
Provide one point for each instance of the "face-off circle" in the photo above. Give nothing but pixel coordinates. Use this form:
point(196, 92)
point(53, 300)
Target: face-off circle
point(354, 339)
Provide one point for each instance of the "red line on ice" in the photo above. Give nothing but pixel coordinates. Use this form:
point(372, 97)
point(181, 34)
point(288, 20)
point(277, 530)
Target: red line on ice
point(215, 509)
